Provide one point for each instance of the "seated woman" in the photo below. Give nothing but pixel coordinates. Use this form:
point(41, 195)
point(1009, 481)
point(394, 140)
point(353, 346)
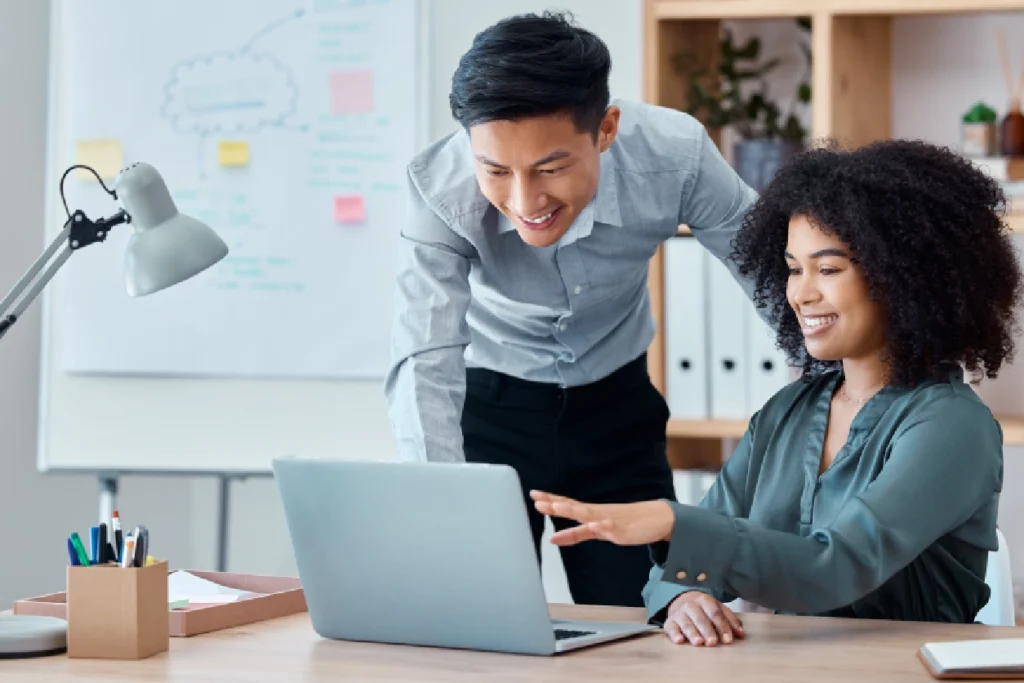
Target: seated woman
point(869, 487)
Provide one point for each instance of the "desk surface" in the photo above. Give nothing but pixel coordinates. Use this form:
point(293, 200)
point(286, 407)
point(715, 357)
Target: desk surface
point(777, 648)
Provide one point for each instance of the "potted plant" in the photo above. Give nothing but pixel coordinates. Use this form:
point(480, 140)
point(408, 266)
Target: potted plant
point(735, 93)
point(978, 131)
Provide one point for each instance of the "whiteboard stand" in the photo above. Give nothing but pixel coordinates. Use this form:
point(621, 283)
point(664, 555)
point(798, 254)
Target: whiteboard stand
point(108, 483)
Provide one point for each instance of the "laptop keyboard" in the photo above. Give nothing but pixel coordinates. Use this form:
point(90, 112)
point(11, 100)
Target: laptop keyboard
point(563, 633)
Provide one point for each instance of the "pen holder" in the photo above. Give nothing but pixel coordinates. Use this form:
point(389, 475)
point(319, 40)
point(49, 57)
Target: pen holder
point(117, 612)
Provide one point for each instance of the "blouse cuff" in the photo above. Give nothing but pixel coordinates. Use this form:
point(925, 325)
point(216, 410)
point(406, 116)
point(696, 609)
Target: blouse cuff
point(702, 549)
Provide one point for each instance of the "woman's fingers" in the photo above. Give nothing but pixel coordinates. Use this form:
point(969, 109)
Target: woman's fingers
point(566, 508)
point(686, 627)
point(716, 614)
point(674, 631)
point(704, 625)
point(573, 535)
point(734, 621)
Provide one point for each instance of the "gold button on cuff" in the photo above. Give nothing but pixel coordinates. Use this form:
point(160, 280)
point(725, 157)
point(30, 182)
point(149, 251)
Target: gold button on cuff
point(680, 575)
point(701, 576)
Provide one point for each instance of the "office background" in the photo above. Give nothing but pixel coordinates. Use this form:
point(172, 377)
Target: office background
point(941, 66)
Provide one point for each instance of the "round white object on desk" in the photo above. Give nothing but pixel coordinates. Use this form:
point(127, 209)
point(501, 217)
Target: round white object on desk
point(26, 635)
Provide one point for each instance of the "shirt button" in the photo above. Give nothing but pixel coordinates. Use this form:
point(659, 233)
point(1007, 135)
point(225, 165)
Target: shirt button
point(563, 327)
point(680, 575)
point(701, 576)
point(579, 288)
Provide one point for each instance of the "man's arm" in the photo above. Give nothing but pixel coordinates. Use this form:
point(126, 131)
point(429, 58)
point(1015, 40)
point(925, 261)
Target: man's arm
point(714, 204)
point(426, 384)
point(942, 469)
point(727, 496)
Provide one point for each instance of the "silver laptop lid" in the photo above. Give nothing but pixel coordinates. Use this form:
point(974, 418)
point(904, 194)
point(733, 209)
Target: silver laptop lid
point(419, 553)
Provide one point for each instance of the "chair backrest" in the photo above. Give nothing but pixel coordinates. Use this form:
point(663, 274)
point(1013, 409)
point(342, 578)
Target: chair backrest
point(999, 611)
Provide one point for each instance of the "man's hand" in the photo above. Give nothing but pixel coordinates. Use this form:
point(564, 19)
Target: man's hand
point(621, 524)
point(701, 619)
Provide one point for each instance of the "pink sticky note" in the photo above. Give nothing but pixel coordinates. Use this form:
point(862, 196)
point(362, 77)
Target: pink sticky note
point(352, 92)
point(349, 209)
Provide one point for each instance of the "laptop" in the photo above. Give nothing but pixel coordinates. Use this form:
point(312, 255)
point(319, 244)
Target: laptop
point(428, 554)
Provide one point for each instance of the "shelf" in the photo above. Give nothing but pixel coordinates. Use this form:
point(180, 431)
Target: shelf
point(735, 9)
point(1013, 429)
point(898, 7)
point(706, 429)
point(1014, 220)
point(766, 9)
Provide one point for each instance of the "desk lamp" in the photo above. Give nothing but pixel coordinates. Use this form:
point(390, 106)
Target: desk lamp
point(166, 248)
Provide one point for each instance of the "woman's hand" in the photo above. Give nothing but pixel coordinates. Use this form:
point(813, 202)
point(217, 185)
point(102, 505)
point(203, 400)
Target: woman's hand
point(621, 524)
point(701, 619)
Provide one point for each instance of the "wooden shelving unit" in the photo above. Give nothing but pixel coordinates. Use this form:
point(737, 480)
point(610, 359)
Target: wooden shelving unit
point(851, 82)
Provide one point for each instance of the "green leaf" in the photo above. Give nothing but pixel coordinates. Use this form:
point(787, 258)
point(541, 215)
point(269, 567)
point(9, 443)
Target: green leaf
point(751, 49)
point(980, 113)
point(804, 23)
point(804, 93)
point(793, 130)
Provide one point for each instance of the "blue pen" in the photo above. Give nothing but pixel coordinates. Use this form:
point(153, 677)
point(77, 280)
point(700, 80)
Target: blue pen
point(94, 543)
point(72, 555)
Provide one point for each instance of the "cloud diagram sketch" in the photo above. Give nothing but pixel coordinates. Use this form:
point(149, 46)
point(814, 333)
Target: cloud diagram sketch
point(241, 91)
point(285, 125)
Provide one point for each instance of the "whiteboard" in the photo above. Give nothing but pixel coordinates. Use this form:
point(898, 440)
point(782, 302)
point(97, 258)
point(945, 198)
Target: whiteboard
point(184, 409)
point(285, 125)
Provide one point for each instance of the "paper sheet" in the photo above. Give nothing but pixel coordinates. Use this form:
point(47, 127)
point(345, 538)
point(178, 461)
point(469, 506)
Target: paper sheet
point(185, 586)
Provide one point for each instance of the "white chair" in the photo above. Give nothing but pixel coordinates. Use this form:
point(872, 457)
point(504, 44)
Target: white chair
point(999, 611)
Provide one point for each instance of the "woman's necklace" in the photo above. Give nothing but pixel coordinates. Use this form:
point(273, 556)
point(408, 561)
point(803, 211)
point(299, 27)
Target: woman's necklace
point(858, 401)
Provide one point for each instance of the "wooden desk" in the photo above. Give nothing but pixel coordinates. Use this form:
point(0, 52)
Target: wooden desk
point(777, 648)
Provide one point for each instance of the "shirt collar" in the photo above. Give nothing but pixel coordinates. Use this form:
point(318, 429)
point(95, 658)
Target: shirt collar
point(603, 208)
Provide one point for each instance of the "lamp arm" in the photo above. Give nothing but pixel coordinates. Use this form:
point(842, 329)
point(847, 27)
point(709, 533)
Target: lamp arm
point(79, 231)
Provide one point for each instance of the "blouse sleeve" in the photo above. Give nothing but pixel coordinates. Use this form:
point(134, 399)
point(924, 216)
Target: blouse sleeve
point(726, 498)
point(944, 465)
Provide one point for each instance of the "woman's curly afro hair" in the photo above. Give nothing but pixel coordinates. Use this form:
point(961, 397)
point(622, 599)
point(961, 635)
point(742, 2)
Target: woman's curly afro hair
point(926, 228)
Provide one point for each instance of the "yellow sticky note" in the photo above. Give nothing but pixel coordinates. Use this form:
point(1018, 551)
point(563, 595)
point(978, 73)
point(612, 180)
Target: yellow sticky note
point(102, 154)
point(233, 153)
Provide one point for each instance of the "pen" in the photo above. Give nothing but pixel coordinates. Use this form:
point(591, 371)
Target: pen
point(83, 559)
point(128, 554)
point(94, 545)
point(72, 555)
point(141, 535)
point(116, 528)
point(103, 548)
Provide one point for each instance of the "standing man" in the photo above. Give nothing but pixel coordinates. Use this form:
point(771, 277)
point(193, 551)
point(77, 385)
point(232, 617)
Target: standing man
point(523, 315)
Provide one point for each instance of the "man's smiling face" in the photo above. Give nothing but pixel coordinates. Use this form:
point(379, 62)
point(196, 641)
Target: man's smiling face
point(540, 172)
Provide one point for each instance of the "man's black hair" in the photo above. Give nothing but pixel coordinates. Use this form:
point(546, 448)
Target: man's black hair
point(533, 65)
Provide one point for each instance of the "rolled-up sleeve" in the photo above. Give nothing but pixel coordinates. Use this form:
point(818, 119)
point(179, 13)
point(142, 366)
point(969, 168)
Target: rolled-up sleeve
point(426, 383)
point(714, 204)
point(725, 499)
point(944, 465)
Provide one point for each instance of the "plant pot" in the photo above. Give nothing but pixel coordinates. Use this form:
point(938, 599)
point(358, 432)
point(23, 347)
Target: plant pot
point(978, 139)
point(757, 161)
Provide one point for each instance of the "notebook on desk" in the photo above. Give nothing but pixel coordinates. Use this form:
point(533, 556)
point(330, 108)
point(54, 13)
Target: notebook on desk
point(996, 658)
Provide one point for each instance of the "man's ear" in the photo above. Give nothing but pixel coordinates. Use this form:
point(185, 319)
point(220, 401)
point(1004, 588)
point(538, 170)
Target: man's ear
point(609, 128)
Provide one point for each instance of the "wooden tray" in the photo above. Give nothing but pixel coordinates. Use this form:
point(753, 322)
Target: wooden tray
point(281, 596)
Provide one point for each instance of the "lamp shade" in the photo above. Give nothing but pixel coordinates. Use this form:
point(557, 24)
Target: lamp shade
point(166, 247)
